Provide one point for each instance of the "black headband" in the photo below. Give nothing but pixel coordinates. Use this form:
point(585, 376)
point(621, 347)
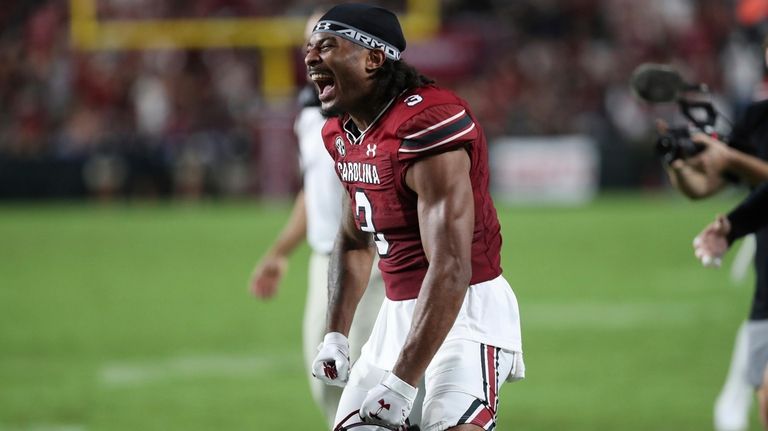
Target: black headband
point(369, 26)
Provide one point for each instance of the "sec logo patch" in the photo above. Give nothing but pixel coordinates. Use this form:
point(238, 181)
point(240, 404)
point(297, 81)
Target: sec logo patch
point(340, 148)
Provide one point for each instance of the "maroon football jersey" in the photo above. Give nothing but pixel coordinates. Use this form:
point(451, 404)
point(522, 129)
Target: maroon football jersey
point(372, 164)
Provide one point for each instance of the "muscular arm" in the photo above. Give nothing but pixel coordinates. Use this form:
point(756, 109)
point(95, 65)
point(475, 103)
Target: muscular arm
point(348, 272)
point(446, 223)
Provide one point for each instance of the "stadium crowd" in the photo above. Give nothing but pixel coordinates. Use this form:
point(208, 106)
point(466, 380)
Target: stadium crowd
point(194, 122)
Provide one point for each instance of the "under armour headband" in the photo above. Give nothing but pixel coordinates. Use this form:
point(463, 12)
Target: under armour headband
point(368, 26)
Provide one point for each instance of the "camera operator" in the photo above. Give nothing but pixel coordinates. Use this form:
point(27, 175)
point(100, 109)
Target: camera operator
point(743, 159)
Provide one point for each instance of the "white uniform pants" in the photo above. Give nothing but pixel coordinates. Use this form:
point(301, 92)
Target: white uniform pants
point(461, 383)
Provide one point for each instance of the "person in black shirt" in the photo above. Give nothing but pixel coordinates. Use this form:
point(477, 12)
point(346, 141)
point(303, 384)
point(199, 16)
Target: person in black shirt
point(743, 159)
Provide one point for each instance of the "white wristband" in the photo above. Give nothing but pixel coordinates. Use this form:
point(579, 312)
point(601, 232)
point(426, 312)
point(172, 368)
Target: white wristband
point(394, 383)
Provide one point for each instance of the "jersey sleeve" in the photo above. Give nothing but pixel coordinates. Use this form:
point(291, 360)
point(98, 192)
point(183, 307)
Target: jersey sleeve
point(434, 130)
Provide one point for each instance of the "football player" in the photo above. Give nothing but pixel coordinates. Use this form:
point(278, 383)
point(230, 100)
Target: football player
point(414, 164)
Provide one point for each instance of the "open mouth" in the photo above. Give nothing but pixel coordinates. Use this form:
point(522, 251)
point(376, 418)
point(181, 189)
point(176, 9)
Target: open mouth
point(325, 85)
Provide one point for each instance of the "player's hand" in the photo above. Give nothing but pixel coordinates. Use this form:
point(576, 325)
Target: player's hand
point(389, 403)
point(266, 277)
point(331, 365)
point(711, 244)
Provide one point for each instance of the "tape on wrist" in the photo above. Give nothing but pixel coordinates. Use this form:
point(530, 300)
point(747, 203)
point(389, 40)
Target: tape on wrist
point(335, 338)
point(394, 383)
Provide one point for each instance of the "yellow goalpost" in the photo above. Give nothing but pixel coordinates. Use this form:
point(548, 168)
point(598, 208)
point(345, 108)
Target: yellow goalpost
point(274, 37)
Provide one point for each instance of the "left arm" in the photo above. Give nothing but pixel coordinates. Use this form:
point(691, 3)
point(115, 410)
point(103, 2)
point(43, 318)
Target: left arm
point(446, 223)
point(751, 215)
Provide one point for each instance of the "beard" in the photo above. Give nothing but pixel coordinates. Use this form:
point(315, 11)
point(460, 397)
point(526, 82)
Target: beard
point(331, 112)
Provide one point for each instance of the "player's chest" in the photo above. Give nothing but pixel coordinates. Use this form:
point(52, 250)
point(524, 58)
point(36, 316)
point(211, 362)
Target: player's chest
point(370, 163)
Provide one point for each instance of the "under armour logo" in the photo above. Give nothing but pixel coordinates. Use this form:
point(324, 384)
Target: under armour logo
point(382, 406)
point(371, 151)
point(330, 370)
point(323, 25)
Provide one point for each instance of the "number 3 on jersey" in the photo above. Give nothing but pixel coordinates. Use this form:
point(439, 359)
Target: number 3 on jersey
point(363, 205)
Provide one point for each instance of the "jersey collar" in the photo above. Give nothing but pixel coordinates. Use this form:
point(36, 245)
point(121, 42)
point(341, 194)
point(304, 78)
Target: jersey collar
point(355, 135)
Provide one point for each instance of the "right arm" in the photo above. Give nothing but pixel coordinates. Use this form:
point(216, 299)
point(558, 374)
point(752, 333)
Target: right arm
point(691, 182)
point(702, 175)
point(349, 270)
point(348, 273)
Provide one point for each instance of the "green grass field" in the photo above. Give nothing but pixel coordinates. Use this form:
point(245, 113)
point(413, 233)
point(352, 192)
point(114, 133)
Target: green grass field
point(137, 317)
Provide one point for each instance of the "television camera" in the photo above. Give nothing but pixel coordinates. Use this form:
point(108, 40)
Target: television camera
point(660, 83)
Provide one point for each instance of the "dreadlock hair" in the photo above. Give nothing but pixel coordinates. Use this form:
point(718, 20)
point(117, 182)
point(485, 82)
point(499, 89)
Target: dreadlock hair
point(394, 77)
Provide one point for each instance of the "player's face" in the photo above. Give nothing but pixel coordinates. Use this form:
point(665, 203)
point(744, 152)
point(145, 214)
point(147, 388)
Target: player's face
point(337, 67)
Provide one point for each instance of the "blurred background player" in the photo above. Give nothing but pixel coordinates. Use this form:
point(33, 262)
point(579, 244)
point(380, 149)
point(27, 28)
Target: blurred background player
point(710, 246)
point(701, 176)
point(414, 164)
point(315, 216)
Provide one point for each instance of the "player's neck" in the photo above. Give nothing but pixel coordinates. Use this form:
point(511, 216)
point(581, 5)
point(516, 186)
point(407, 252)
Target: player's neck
point(367, 115)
